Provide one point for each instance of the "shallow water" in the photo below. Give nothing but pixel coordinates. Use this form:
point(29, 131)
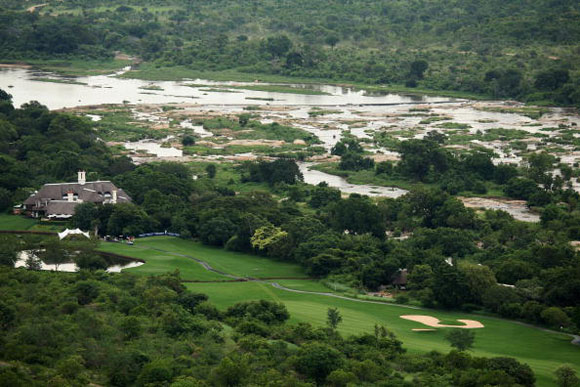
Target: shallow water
point(71, 267)
point(154, 148)
point(314, 177)
point(516, 208)
point(107, 89)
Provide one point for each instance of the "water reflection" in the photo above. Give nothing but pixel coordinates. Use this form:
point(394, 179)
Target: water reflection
point(103, 89)
point(114, 265)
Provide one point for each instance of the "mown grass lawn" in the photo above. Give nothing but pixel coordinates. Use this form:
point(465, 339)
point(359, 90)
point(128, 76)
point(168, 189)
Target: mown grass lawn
point(244, 265)
point(543, 351)
point(16, 222)
point(239, 264)
point(160, 263)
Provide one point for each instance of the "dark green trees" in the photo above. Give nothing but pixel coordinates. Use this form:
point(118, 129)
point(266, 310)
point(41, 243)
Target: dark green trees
point(420, 157)
point(461, 339)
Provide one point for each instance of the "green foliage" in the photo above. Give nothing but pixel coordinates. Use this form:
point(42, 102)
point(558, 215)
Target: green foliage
point(566, 376)
point(264, 311)
point(278, 171)
point(461, 339)
point(333, 318)
point(38, 146)
point(211, 170)
point(317, 361)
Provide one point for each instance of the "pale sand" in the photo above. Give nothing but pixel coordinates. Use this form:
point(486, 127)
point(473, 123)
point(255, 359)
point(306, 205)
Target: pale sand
point(434, 322)
point(423, 330)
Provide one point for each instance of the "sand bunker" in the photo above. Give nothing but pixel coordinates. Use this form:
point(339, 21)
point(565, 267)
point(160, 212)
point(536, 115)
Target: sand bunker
point(434, 322)
point(423, 330)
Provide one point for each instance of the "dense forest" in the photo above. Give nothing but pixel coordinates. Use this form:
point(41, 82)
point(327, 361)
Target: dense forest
point(517, 49)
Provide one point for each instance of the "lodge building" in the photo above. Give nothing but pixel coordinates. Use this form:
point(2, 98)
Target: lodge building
point(58, 200)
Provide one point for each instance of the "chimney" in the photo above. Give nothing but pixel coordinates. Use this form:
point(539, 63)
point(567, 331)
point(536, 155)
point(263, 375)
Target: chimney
point(69, 196)
point(82, 177)
point(114, 198)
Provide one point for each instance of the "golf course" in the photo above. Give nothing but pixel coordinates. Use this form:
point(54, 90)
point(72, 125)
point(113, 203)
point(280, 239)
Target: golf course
point(229, 277)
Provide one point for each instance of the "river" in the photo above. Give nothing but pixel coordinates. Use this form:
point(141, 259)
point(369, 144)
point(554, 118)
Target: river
point(28, 85)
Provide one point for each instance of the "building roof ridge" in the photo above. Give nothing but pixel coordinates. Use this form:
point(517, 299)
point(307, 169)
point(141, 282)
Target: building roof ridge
point(77, 183)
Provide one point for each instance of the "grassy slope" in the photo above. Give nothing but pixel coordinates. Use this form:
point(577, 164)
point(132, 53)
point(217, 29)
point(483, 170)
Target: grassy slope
point(159, 263)
point(543, 351)
point(230, 262)
point(11, 222)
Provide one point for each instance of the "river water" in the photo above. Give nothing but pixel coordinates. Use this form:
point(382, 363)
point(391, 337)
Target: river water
point(24, 85)
point(315, 177)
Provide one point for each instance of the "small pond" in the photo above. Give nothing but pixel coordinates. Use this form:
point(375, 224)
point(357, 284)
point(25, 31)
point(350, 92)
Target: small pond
point(115, 265)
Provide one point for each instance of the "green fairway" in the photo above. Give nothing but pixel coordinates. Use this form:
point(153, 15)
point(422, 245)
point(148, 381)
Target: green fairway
point(243, 265)
point(543, 351)
point(307, 285)
point(15, 222)
point(160, 263)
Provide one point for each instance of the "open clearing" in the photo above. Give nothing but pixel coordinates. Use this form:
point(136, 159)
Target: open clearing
point(544, 351)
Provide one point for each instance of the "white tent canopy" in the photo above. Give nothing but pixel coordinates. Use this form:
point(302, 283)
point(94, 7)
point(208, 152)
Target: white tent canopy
point(67, 232)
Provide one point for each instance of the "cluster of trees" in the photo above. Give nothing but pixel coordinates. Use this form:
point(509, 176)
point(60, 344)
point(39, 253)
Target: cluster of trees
point(350, 152)
point(124, 330)
point(38, 146)
point(427, 161)
point(487, 48)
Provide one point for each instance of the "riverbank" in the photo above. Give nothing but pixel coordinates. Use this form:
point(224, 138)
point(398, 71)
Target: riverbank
point(69, 67)
point(149, 72)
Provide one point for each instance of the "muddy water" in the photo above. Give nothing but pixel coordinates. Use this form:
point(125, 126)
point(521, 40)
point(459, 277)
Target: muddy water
point(106, 89)
point(154, 148)
point(197, 129)
point(314, 177)
point(516, 208)
point(395, 113)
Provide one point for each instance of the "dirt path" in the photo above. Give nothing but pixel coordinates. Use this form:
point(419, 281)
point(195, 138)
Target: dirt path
point(278, 286)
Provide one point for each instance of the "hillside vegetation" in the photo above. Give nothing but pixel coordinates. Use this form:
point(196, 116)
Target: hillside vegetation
point(505, 49)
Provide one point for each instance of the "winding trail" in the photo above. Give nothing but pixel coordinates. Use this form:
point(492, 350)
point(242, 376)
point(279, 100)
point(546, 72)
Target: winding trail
point(278, 286)
point(207, 266)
